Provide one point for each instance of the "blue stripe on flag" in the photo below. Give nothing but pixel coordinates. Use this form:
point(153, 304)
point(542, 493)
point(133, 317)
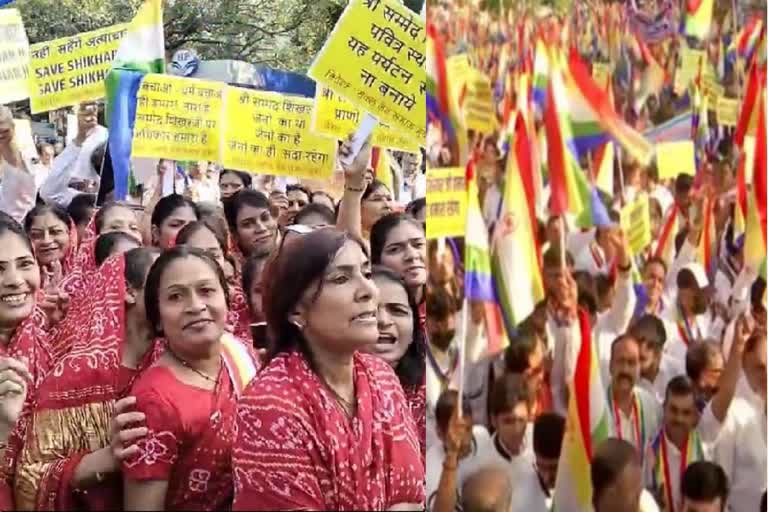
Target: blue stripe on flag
point(479, 287)
point(122, 106)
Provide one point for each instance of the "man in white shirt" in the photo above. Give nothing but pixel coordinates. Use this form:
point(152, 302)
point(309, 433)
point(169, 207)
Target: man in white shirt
point(741, 447)
point(656, 368)
point(533, 490)
point(598, 256)
point(635, 413)
point(17, 172)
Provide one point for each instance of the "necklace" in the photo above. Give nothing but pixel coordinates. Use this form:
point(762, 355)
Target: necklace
point(187, 365)
point(346, 405)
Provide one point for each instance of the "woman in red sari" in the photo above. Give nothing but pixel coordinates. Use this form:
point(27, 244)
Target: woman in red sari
point(189, 394)
point(401, 342)
point(323, 426)
point(205, 235)
point(25, 355)
point(72, 447)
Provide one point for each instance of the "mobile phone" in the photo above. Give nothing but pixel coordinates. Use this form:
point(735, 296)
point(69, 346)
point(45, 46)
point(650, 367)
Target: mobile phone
point(259, 334)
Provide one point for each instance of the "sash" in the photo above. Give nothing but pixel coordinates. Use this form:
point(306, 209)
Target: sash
point(684, 328)
point(443, 376)
point(637, 417)
point(238, 361)
point(596, 257)
point(692, 451)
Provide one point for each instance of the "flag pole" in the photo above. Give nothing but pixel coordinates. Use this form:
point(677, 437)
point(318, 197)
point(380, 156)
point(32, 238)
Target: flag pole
point(462, 353)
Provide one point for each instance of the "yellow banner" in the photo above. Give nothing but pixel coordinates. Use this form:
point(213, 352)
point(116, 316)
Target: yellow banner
point(269, 133)
point(673, 158)
point(14, 57)
point(690, 63)
point(67, 71)
point(727, 111)
point(375, 59)
point(446, 202)
point(478, 106)
point(178, 118)
point(334, 116)
point(636, 223)
point(712, 90)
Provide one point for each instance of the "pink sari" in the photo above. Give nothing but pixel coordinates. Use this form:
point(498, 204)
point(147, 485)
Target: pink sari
point(191, 431)
point(75, 402)
point(297, 450)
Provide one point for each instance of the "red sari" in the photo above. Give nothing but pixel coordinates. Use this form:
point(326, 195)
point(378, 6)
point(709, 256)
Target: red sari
point(191, 431)
point(75, 402)
point(417, 400)
point(75, 280)
point(296, 448)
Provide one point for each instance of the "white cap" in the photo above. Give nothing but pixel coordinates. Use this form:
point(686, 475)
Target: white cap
point(698, 273)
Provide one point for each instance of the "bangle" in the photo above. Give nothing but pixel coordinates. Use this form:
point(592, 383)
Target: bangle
point(353, 189)
point(625, 269)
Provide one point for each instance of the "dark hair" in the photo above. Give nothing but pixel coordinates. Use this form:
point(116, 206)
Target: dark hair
point(650, 329)
point(621, 339)
point(410, 369)
point(372, 187)
point(41, 209)
point(686, 279)
point(519, 351)
point(245, 178)
point(446, 404)
point(192, 228)
point(658, 261)
point(705, 481)
point(102, 212)
point(245, 197)
point(169, 204)
point(680, 385)
point(152, 288)
point(315, 209)
point(754, 339)
point(683, 183)
point(293, 187)
point(105, 245)
point(553, 258)
point(697, 358)
point(10, 225)
point(380, 232)
point(300, 263)
point(609, 460)
point(322, 193)
point(415, 206)
point(81, 207)
point(764, 502)
point(756, 293)
point(441, 304)
point(508, 391)
point(137, 264)
point(251, 265)
point(603, 285)
point(548, 432)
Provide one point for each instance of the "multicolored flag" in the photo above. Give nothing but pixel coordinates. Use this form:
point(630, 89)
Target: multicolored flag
point(755, 232)
point(587, 424)
point(142, 51)
point(698, 18)
point(478, 282)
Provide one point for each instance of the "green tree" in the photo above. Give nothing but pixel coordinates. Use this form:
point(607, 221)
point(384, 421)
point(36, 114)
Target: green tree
point(284, 34)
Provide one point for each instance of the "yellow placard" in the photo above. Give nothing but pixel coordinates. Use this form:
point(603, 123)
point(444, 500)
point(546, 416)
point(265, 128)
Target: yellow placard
point(601, 73)
point(269, 133)
point(67, 71)
point(14, 57)
point(690, 62)
point(178, 118)
point(727, 111)
point(375, 59)
point(712, 90)
point(334, 116)
point(478, 108)
point(636, 223)
point(446, 202)
point(674, 158)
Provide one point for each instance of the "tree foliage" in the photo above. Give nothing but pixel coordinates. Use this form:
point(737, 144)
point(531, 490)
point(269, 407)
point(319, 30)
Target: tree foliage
point(284, 34)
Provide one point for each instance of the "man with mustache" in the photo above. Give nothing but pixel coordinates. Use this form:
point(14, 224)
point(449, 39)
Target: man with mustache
point(656, 368)
point(635, 412)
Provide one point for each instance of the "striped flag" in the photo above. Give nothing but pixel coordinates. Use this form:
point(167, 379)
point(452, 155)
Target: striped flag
point(142, 51)
point(478, 283)
point(587, 424)
point(516, 253)
point(698, 18)
point(540, 75)
point(755, 234)
point(665, 249)
point(676, 129)
point(705, 252)
point(602, 168)
point(747, 124)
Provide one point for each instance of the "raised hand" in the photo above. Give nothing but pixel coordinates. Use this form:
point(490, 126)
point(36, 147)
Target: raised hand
point(15, 379)
point(355, 173)
point(127, 428)
point(55, 302)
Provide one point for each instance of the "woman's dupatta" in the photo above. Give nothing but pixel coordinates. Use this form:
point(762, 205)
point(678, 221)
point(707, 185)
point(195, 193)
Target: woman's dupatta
point(75, 402)
point(83, 263)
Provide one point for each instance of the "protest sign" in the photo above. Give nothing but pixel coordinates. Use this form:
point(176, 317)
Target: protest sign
point(14, 57)
point(72, 69)
point(712, 90)
point(446, 202)
point(178, 118)
point(727, 111)
point(460, 70)
point(636, 223)
point(477, 105)
point(333, 116)
point(674, 158)
point(375, 59)
point(690, 63)
point(269, 133)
